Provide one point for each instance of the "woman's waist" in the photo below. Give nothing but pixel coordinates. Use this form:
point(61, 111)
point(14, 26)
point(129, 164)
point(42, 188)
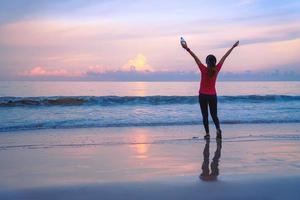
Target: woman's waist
point(207, 94)
point(209, 91)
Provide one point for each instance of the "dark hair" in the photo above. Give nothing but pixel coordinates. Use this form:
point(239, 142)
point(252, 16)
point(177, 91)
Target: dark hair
point(211, 65)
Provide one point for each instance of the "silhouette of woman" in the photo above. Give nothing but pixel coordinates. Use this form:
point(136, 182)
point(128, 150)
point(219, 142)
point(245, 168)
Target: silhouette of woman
point(214, 166)
point(207, 92)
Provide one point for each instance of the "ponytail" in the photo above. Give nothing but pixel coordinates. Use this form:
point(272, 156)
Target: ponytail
point(211, 65)
point(212, 70)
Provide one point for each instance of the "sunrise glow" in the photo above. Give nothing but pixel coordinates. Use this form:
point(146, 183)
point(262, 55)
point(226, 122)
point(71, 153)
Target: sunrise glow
point(46, 40)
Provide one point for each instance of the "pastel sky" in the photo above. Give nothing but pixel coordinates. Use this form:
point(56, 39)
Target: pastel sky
point(74, 37)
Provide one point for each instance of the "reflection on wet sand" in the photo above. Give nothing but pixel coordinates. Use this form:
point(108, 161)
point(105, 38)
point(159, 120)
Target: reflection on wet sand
point(206, 175)
point(141, 147)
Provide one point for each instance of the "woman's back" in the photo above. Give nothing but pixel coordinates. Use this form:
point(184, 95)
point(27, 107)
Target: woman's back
point(208, 84)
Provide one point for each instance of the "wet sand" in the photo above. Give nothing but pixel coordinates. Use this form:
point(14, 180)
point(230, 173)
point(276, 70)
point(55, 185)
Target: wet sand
point(253, 161)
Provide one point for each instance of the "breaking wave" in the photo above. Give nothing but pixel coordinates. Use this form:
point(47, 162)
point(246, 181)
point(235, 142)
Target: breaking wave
point(133, 100)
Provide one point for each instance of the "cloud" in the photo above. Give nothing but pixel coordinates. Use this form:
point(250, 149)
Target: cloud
point(41, 71)
point(260, 34)
point(15, 10)
point(96, 69)
point(142, 35)
point(138, 63)
point(120, 75)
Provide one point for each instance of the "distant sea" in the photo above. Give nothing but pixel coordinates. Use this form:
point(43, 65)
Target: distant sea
point(31, 105)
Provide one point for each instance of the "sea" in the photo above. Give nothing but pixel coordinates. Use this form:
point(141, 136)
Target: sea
point(34, 105)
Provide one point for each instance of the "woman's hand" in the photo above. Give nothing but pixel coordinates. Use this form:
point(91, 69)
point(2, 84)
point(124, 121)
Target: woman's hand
point(227, 53)
point(236, 44)
point(184, 45)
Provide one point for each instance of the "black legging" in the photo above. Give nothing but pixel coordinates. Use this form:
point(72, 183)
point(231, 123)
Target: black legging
point(206, 100)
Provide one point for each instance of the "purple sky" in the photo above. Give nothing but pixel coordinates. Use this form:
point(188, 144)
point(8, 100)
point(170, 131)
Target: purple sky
point(74, 38)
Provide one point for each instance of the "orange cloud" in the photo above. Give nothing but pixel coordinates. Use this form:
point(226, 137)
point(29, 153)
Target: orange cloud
point(138, 63)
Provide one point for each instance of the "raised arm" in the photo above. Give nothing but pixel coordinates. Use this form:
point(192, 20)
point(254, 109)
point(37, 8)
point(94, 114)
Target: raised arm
point(197, 60)
point(227, 54)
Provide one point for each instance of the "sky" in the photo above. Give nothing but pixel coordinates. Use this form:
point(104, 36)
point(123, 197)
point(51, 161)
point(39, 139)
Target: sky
point(74, 38)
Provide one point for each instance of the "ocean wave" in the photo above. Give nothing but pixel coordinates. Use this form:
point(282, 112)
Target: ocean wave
point(133, 100)
point(69, 124)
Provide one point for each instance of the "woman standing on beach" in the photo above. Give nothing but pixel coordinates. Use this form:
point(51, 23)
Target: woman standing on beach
point(207, 92)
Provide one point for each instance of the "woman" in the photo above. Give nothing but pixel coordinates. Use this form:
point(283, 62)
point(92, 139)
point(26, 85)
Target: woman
point(207, 92)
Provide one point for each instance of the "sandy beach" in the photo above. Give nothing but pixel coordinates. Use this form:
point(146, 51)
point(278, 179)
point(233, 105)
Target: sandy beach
point(253, 161)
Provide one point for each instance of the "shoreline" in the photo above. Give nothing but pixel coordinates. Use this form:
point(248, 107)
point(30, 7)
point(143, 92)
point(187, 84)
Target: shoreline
point(158, 125)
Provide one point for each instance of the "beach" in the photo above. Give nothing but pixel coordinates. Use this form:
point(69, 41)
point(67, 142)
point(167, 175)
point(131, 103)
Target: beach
point(149, 100)
point(256, 161)
point(143, 140)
